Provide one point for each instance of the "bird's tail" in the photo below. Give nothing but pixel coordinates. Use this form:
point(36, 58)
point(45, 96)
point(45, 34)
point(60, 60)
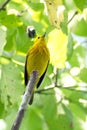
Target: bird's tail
point(31, 100)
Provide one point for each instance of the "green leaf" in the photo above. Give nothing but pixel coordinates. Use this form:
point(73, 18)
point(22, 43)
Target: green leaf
point(77, 123)
point(22, 41)
point(19, 59)
point(68, 122)
point(11, 83)
point(17, 7)
point(74, 95)
point(81, 4)
point(63, 24)
point(78, 110)
point(74, 60)
point(80, 27)
point(1, 2)
point(56, 113)
point(33, 120)
point(10, 39)
point(10, 21)
point(10, 116)
point(83, 75)
point(35, 1)
point(70, 5)
point(2, 38)
point(34, 6)
point(79, 56)
point(1, 109)
point(70, 46)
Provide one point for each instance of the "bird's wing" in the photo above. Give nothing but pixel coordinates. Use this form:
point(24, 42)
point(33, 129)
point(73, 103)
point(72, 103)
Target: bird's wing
point(41, 78)
point(26, 77)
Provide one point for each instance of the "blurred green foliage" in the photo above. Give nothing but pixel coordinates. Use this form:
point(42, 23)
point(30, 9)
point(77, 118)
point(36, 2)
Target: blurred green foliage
point(63, 108)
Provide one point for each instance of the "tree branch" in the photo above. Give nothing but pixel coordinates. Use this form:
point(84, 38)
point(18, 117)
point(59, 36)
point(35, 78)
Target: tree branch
point(25, 101)
point(4, 4)
point(42, 91)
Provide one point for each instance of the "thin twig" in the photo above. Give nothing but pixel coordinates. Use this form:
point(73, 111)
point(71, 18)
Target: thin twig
point(4, 5)
point(25, 101)
point(73, 17)
point(45, 93)
point(44, 89)
point(56, 77)
point(47, 89)
point(21, 12)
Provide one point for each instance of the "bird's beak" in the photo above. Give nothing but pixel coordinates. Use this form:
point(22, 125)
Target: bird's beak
point(44, 34)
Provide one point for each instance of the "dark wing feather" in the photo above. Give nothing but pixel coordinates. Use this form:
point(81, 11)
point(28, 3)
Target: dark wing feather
point(41, 78)
point(26, 77)
point(25, 73)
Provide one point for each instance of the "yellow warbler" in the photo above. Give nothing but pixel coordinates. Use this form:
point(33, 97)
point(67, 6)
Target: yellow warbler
point(37, 59)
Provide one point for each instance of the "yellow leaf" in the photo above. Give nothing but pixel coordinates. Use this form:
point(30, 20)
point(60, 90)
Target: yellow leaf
point(57, 44)
point(55, 10)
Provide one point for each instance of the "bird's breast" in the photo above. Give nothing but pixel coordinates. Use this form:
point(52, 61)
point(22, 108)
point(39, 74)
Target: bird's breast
point(37, 59)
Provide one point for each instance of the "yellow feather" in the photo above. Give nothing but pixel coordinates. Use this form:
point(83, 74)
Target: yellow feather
point(37, 58)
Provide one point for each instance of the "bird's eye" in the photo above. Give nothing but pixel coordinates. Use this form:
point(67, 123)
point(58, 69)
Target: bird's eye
point(38, 37)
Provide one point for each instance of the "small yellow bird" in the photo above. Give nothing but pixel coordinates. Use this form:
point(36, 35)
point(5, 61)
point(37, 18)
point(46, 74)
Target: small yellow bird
point(37, 59)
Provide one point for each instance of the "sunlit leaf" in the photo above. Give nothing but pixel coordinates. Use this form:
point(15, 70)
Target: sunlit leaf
point(2, 38)
point(31, 116)
point(79, 56)
point(10, 21)
point(70, 46)
point(57, 44)
point(10, 81)
point(78, 110)
point(55, 11)
point(80, 28)
point(83, 74)
point(10, 40)
point(81, 5)
point(22, 41)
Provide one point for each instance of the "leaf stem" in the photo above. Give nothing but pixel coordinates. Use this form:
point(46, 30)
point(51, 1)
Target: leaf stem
point(73, 17)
